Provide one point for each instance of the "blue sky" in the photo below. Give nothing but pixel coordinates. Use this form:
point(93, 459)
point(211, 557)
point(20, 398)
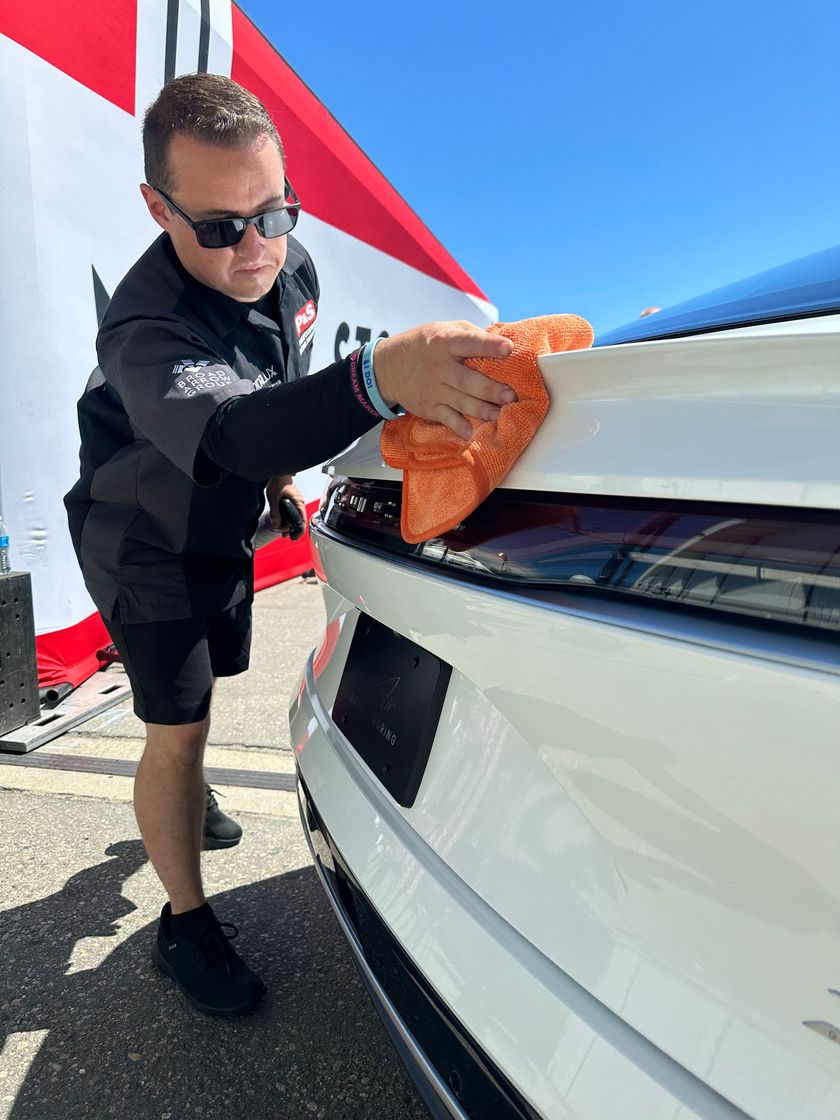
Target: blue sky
point(596, 158)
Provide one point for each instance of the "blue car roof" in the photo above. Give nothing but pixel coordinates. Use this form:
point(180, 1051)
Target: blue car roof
point(807, 286)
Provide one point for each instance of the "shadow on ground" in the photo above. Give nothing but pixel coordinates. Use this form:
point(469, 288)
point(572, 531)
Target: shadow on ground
point(123, 1042)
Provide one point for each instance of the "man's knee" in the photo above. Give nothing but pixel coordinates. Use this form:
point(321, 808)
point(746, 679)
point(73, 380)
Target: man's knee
point(180, 745)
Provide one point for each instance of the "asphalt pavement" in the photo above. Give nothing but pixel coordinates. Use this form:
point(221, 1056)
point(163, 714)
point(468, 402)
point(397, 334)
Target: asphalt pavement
point(88, 1028)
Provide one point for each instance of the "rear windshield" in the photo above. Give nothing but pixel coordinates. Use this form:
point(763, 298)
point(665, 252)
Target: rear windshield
point(808, 286)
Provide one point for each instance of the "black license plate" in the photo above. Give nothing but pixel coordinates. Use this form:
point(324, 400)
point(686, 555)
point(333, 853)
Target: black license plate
point(388, 705)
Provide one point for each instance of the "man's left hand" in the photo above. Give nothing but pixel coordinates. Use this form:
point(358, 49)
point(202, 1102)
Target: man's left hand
point(283, 486)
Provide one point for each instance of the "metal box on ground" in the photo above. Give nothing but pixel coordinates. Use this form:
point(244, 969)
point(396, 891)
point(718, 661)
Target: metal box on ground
point(19, 700)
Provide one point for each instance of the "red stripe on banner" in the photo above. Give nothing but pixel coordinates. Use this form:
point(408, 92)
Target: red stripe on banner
point(94, 42)
point(70, 654)
point(334, 178)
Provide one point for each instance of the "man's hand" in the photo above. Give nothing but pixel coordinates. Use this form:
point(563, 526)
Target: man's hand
point(283, 486)
point(423, 370)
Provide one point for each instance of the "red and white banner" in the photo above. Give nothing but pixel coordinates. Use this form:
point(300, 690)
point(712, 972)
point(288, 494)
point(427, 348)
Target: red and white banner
point(76, 80)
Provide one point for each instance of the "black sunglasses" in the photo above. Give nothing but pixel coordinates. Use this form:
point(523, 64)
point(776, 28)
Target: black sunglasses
point(219, 233)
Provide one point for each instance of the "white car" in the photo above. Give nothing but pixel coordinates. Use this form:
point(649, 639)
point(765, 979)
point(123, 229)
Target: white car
point(571, 773)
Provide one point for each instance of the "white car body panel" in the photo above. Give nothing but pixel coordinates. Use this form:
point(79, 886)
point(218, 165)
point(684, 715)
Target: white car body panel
point(621, 851)
point(621, 869)
point(521, 1009)
point(751, 419)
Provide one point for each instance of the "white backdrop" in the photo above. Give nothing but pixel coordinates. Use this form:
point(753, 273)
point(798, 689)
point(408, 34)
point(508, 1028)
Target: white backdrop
point(69, 180)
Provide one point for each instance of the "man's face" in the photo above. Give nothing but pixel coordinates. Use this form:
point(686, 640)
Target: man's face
point(220, 183)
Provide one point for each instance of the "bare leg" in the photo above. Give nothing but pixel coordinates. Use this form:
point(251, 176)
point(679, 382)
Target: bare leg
point(169, 802)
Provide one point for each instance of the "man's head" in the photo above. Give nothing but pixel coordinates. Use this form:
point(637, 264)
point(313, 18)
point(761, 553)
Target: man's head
point(211, 148)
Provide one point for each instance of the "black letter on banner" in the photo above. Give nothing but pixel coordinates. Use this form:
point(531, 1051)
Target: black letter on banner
point(342, 335)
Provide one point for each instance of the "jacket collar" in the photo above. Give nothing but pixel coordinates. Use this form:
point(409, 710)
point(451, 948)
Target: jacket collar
point(221, 313)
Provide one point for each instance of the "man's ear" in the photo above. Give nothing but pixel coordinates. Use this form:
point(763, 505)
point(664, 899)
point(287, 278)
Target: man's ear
point(156, 206)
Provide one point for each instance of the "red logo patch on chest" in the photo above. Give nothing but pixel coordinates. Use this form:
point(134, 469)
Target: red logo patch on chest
point(306, 316)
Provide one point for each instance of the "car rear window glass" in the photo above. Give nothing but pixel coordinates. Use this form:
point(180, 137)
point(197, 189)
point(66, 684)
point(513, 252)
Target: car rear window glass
point(808, 286)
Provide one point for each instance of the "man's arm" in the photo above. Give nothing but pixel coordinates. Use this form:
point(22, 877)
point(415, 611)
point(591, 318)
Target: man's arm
point(284, 428)
point(206, 419)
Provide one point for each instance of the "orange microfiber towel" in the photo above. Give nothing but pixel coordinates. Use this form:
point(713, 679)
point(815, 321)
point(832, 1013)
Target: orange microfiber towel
point(444, 476)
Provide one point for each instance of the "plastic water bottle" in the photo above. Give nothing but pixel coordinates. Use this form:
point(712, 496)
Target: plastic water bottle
point(5, 562)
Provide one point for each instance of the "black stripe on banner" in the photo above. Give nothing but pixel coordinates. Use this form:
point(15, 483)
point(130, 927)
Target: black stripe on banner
point(100, 296)
point(204, 37)
point(171, 40)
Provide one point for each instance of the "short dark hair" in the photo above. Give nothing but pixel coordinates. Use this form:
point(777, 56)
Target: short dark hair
point(208, 107)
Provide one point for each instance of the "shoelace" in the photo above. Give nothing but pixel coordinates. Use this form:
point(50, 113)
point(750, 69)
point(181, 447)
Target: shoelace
point(212, 803)
point(212, 941)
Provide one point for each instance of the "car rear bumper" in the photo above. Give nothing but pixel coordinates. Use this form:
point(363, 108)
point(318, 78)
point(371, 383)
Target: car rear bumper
point(447, 1066)
point(459, 988)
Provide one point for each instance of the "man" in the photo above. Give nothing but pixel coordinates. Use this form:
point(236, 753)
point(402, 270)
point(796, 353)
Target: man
point(199, 410)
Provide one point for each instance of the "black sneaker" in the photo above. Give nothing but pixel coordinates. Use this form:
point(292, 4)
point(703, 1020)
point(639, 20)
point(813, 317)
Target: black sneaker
point(220, 830)
point(205, 966)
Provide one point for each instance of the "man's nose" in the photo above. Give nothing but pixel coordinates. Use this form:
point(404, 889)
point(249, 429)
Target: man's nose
point(251, 243)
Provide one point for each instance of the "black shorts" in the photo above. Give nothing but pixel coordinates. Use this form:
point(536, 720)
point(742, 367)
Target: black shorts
point(171, 665)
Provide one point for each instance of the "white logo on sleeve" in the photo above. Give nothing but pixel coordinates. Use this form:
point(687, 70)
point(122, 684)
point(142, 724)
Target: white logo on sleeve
point(195, 377)
point(187, 365)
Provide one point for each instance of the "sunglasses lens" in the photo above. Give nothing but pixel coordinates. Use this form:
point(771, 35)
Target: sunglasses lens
point(221, 234)
point(275, 223)
point(230, 231)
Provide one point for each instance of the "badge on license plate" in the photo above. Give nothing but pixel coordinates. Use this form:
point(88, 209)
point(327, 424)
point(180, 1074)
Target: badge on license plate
point(388, 705)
